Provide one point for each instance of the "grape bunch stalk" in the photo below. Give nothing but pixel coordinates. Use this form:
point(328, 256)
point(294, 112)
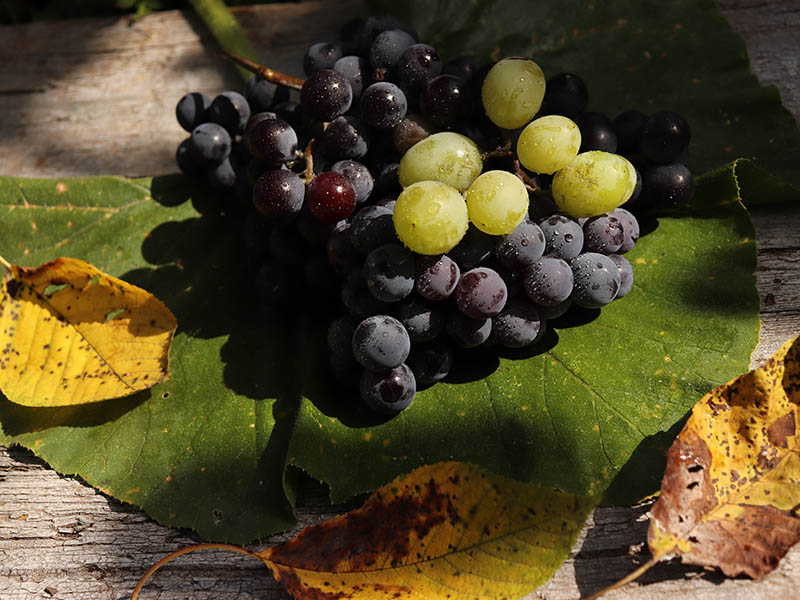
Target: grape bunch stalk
point(429, 205)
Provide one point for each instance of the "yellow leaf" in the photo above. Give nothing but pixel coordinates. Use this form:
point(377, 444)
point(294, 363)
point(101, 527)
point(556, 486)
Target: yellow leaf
point(70, 334)
point(449, 530)
point(731, 490)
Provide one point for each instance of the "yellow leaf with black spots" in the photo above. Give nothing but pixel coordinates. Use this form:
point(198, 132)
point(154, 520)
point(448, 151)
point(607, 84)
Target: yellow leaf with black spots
point(449, 531)
point(71, 334)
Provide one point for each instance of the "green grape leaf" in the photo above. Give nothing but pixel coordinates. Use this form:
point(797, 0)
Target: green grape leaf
point(250, 391)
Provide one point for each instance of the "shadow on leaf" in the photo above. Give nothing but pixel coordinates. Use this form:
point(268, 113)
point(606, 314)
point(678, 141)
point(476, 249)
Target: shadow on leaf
point(18, 419)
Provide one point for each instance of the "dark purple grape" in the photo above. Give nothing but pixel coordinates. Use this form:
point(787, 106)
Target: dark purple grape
point(548, 281)
point(186, 160)
point(430, 362)
point(390, 392)
point(603, 234)
point(255, 169)
point(330, 197)
point(388, 203)
point(436, 276)
point(418, 64)
point(210, 144)
point(356, 70)
point(313, 231)
point(273, 141)
point(628, 126)
point(625, 275)
point(372, 227)
point(518, 324)
point(256, 118)
point(326, 95)
point(322, 55)
point(286, 245)
point(520, 248)
point(346, 371)
point(345, 137)
point(358, 300)
point(276, 285)
point(474, 249)
point(666, 186)
point(262, 95)
point(278, 195)
point(422, 322)
point(373, 25)
point(462, 66)
point(389, 272)
point(342, 255)
point(665, 136)
point(191, 110)
point(481, 293)
point(409, 131)
point(630, 229)
point(383, 105)
point(542, 207)
point(597, 280)
point(231, 110)
point(380, 343)
point(597, 133)
point(255, 234)
point(222, 177)
point(387, 47)
point(443, 100)
point(340, 336)
point(359, 177)
point(563, 237)
point(466, 332)
point(566, 94)
point(387, 183)
point(553, 312)
point(321, 281)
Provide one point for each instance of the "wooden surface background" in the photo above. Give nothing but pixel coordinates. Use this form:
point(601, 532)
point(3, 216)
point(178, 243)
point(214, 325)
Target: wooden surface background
point(86, 97)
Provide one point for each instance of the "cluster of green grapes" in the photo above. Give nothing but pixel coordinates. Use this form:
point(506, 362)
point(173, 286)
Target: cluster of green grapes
point(431, 216)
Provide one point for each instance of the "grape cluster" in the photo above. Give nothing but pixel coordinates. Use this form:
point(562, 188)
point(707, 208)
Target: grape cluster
point(437, 205)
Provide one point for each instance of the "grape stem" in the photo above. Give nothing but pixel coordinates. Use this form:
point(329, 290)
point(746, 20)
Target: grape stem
point(530, 184)
point(5, 263)
point(308, 174)
point(499, 152)
point(269, 74)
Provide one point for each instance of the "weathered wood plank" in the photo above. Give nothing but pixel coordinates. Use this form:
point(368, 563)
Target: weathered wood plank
point(85, 97)
point(94, 96)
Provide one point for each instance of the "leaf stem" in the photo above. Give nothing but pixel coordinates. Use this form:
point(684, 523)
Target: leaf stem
point(269, 74)
point(627, 579)
point(5, 263)
point(222, 24)
point(187, 550)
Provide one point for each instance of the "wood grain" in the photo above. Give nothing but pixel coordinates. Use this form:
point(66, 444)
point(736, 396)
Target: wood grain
point(96, 96)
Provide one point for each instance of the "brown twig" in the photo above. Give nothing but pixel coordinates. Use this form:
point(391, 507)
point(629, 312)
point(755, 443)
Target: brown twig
point(530, 184)
point(269, 74)
point(499, 152)
point(308, 174)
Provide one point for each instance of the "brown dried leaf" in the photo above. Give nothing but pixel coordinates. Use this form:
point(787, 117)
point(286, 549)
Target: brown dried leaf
point(71, 334)
point(731, 490)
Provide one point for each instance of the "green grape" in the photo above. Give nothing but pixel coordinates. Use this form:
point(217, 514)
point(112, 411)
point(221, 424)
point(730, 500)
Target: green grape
point(448, 157)
point(593, 183)
point(512, 92)
point(548, 144)
point(497, 202)
point(430, 217)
